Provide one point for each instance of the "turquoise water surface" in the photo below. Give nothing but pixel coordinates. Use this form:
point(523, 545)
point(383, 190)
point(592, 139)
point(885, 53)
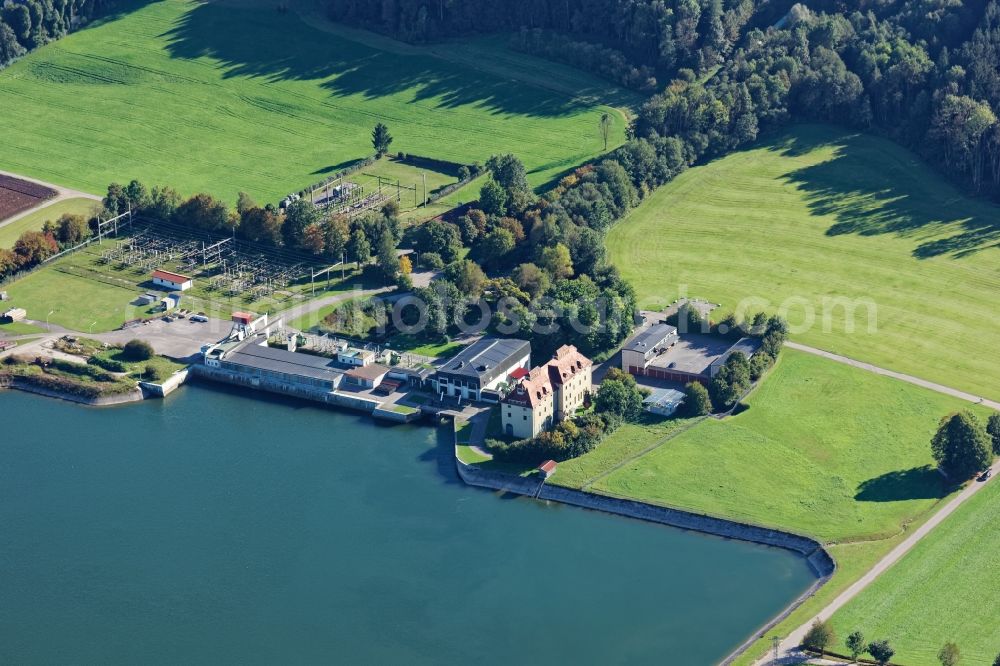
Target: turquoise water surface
point(225, 528)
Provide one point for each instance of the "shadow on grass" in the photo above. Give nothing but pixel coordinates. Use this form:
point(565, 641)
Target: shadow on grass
point(870, 192)
point(911, 484)
point(266, 44)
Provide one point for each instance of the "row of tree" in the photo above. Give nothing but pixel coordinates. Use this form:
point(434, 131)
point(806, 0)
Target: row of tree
point(821, 636)
point(34, 247)
point(28, 24)
point(301, 226)
point(657, 36)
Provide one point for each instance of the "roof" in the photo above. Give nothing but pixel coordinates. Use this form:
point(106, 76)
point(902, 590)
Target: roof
point(487, 358)
point(531, 390)
point(519, 373)
point(244, 317)
point(565, 363)
point(651, 337)
point(748, 346)
point(664, 396)
point(281, 360)
point(548, 466)
point(369, 372)
point(171, 277)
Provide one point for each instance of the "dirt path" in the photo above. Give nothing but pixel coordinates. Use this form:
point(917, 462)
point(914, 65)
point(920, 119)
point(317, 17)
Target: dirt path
point(788, 652)
point(955, 393)
point(63, 193)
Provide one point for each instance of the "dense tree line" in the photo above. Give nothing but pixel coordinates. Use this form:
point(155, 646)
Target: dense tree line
point(650, 37)
point(881, 68)
point(28, 24)
point(553, 284)
point(924, 74)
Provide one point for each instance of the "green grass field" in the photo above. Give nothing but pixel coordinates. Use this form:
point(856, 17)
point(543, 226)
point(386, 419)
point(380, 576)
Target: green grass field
point(77, 303)
point(824, 450)
point(820, 213)
point(9, 233)
point(946, 589)
point(629, 441)
point(231, 96)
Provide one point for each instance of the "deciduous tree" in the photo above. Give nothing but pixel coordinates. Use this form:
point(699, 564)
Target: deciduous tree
point(856, 644)
point(819, 637)
point(881, 652)
point(961, 446)
point(949, 655)
point(697, 401)
point(993, 428)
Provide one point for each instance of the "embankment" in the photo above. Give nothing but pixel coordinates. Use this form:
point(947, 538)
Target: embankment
point(21, 384)
point(822, 564)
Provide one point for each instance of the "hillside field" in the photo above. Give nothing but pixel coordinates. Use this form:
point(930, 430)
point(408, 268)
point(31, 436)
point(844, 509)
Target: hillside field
point(223, 97)
point(823, 449)
point(945, 589)
point(819, 213)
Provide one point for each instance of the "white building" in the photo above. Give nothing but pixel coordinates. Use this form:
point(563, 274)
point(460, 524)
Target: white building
point(485, 365)
point(174, 281)
point(643, 348)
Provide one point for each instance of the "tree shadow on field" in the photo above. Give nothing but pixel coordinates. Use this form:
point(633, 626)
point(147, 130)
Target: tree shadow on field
point(873, 188)
point(275, 46)
point(916, 483)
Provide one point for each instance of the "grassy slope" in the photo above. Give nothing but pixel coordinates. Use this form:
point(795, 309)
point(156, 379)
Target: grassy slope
point(9, 233)
point(229, 98)
point(945, 589)
point(627, 442)
point(824, 449)
point(822, 213)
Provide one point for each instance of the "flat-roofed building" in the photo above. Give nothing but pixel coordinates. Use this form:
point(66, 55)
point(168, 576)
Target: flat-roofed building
point(366, 376)
point(356, 357)
point(640, 351)
point(276, 365)
point(484, 365)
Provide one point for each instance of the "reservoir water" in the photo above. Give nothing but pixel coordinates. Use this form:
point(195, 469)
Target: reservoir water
point(224, 528)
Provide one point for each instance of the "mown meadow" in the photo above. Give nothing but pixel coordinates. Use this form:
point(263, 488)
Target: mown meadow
point(943, 590)
point(224, 97)
point(816, 216)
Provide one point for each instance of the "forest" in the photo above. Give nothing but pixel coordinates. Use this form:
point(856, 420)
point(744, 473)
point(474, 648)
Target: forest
point(923, 73)
point(28, 24)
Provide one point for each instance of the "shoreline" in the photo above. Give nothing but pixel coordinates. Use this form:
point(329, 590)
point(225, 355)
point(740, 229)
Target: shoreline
point(16, 384)
point(815, 554)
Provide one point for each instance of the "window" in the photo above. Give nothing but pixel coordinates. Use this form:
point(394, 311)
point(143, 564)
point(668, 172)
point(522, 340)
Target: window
point(525, 417)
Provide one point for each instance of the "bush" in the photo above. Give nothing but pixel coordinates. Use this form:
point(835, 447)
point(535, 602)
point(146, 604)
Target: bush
point(432, 260)
point(138, 350)
point(151, 373)
point(570, 439)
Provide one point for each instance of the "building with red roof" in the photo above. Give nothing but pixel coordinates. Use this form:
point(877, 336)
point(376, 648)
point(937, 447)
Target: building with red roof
point(173, 281)
point(547, 394)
